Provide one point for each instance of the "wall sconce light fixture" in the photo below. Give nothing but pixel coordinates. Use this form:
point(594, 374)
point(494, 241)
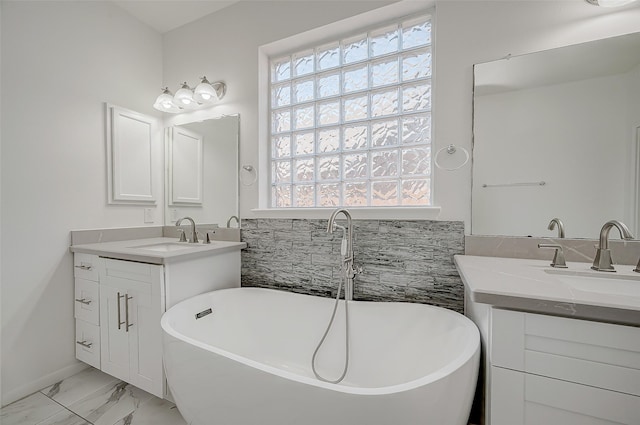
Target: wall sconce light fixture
point(187, 99)
point(609, 3)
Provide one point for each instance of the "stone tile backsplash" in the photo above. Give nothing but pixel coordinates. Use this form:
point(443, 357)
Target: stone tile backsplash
point(402, 260)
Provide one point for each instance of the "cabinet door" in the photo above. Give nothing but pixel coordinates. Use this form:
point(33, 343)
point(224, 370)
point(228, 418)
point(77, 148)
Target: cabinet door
point(136, 351)
point(114, 350)
point(145, 343)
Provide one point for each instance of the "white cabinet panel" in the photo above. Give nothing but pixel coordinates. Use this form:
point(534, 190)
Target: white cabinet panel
point(598, 354)
point(146, 338)
point(131, 138)
point(519, 398)
point(115, 340)
point(88, 343)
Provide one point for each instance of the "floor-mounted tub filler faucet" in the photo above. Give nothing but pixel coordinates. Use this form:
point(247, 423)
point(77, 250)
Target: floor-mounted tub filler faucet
point(603, 262)
point(346, 275)
point(194, 235)
point(346, 250)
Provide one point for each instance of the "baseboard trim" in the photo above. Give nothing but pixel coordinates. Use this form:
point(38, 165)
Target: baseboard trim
point(43, 382)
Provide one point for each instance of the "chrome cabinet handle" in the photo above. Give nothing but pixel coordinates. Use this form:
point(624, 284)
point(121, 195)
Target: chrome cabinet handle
point(85, 343)
point(120, 322)
point(83, 267)
point(126, 312)
point(83, 301)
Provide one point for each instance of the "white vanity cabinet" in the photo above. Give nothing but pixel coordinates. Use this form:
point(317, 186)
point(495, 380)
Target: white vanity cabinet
point(119, 302)
point(560, 346)
point(555, 370)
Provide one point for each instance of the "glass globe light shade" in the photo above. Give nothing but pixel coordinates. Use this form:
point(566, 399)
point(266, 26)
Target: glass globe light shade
point(164, 102)
point(184, 97)
point(204, 92)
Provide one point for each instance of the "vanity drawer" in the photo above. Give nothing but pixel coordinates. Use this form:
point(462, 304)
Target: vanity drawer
point(85, 266)
point(598, 354)
point(519, 398)
point(118, 270)
point(88, 343)
point(87, 301)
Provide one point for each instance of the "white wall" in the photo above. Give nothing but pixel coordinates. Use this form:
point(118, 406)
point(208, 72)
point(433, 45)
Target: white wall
point(60, 62)
point(479, 31)
point(467, 32)
point(224, 46)
point(634, 153)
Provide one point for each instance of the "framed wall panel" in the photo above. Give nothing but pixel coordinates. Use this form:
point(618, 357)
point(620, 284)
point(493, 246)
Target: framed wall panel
point(130, 139)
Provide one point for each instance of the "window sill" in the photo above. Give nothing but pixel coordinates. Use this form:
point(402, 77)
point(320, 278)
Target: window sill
point(371, 213)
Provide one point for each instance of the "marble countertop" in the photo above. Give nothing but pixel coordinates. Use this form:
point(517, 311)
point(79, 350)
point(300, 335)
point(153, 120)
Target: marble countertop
point(148, 250)
point(532, 285)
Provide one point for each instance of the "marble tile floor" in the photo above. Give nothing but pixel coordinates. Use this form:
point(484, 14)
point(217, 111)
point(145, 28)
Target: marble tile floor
point(91, 397)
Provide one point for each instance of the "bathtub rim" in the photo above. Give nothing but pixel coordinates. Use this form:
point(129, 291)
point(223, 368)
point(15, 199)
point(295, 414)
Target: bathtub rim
point(471, 349)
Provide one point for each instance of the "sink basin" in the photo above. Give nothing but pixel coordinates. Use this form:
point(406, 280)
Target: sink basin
point(600, 282)
point(167, 246)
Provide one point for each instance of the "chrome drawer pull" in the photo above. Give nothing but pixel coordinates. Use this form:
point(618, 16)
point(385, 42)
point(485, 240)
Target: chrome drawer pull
point(83, 267)
point(126, 314)
point(85, 343)
point(120, 322)
point(84, 301)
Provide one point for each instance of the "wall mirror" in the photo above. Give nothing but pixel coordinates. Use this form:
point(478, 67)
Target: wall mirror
point(557, 134)
point(202, 171)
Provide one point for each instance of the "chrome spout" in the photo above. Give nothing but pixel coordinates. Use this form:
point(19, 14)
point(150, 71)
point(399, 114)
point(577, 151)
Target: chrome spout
point(233, 217)
point(558, 222)
point(194, 235)
point(603, 262)
point(558, 258)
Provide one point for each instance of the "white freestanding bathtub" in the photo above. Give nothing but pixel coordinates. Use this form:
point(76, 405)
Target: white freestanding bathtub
point(248, 362)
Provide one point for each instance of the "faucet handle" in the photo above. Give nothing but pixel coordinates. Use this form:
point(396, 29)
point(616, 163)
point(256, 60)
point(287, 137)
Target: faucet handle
point(183, 237)
point(558, 258)
point(207, 237)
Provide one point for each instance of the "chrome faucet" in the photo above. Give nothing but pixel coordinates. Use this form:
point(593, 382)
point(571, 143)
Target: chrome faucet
point(558, 258)
point(346, 250)
point(603, 261)
point(194, 235)
point(552, 225)
point(233, 217)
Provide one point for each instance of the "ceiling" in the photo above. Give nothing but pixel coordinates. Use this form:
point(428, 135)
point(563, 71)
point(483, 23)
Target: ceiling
point(166, 15)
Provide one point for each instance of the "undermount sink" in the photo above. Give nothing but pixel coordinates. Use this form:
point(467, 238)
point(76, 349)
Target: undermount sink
point(600, 282)
point(168, 246)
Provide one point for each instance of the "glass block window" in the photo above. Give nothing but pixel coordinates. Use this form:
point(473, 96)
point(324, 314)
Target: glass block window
point(351, 120)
